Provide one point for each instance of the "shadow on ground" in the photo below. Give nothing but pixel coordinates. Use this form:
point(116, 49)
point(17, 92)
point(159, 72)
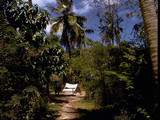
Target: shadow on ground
point(61, 98)
point(68, 112)
point(95, 114)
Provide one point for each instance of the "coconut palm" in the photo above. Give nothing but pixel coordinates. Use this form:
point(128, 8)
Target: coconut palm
point(151, 26)
point(82, 39)
point(110, 30)
point(68, 25)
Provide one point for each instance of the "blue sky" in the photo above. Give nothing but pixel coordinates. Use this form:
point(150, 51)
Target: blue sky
point(88, 9)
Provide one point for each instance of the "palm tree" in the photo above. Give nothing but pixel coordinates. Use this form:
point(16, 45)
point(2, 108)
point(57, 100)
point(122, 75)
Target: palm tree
point(82, 39)
point(68, 24)
point(151, 26)
point(110, 30)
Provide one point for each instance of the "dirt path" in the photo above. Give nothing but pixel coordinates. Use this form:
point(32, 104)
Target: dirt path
point(68, 112)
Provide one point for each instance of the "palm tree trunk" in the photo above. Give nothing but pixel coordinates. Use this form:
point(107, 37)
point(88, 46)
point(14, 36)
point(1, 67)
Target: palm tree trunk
point(30, 1)
point(151, 26)
point(69, 49)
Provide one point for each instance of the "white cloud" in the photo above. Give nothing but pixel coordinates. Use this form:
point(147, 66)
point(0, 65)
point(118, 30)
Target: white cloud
point(85, 6)
point(48, 28)
point(42, 3)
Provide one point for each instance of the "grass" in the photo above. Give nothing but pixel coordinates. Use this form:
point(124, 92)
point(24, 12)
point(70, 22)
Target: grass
point(54, 106)
point(53, 109)
point(88, 111)
point(85, 109)
point(84, 104)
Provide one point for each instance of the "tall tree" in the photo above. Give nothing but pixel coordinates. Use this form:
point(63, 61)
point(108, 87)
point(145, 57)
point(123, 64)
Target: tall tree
point(151, 26)
point(68, 24)
point(110, 29)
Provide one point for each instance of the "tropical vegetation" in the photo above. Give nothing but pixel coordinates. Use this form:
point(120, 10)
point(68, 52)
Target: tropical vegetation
point(69, 25)
point(119, 77)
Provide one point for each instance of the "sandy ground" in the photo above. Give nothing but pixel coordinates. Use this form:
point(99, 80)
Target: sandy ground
point(68, 112)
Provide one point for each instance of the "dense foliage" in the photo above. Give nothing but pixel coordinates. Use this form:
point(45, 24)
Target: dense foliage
point(70, 25)
point(112, 77)
point(27, 61)
point(116, 77)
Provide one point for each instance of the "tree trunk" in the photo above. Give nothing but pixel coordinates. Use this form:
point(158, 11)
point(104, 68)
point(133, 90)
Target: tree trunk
point(151, 26)
point(69, 51)
point(30, 1)
point(47, 89)
point(47, 75)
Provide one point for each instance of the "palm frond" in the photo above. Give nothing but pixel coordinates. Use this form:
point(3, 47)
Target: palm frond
point(81, 18)
point(89, 31)
point(55, 19)
point(53, 9)
point(110, 26)
point(55, 28)
point(71, 19)
point(79, 26)
point(60, 29)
